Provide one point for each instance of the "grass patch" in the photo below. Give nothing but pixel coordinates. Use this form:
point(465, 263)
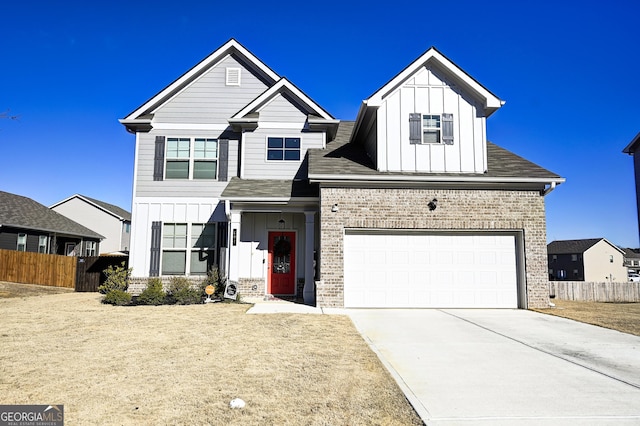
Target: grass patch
point(624, 317)
point(184, 364)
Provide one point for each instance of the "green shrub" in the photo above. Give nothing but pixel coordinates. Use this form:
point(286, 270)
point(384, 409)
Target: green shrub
point(117, 298)
point(117, 279)
point(153, 294)
point(182, 292)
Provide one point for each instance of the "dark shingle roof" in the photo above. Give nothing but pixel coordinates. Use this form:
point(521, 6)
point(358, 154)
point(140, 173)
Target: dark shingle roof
point(118, 211)
point(342, 157)
point(630, 253)
point(22, 212)
point(269, 188)
point(571, 246)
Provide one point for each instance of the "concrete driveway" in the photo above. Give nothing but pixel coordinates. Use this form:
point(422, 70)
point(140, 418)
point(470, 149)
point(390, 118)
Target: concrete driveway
point(488, 367)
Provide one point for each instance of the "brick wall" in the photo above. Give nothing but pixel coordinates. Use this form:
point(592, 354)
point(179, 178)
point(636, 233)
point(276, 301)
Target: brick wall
point(407, 209)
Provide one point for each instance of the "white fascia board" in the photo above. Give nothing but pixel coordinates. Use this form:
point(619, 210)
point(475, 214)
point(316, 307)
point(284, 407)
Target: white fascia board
point(206, 63)
point(491, 101)
point(263, 200)
point(430, 179)
point(279, 87)
point(280, 125)
point(190, 126)
point(64, 201)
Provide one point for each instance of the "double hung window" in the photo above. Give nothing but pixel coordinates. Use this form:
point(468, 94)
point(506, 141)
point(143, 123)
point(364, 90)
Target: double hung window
point(22, 242)
point(191, 158)
point(430, 129)
point(188, 249)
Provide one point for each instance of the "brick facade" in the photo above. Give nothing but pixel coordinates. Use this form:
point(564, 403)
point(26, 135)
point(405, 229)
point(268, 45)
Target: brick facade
point(392, 208)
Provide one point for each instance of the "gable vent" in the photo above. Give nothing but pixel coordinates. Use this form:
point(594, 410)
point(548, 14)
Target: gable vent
point(233, 76)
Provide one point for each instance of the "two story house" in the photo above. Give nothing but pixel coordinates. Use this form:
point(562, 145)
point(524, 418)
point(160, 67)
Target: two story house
point(591, 260)
point(107, 219)
point(408, 206)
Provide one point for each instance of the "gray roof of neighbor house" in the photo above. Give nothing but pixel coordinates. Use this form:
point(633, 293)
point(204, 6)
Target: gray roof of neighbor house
point(118, 211)
point(344, 158)
point(630, 253)
point(22, 212)
point(571, 246)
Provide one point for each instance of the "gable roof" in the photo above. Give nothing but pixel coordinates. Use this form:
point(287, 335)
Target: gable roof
point(140, 116)
point(345, 160)
point(432, 55)
point(112, 209)
point(284, 86)
point(633, 145)
point(576, 246)
point(21, 212)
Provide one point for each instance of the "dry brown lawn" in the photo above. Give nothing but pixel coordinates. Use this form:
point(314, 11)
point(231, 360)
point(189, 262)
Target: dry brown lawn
point(623, 317)
point(179, 365)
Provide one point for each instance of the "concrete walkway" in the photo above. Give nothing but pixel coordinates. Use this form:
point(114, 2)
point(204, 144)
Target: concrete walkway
point(504, 367)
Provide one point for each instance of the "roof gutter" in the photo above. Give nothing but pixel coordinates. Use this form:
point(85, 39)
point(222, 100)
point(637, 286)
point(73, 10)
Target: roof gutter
point(551, 187)
point(318, 178)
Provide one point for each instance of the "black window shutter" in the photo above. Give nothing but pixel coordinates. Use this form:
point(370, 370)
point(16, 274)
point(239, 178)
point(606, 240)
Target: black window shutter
point(223, 159)
point(156, 235)
point(158, 163)
point(447, 129)
point(415, 128)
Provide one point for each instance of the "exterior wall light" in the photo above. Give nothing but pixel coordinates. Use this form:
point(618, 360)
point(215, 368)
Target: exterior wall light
point(335, 208)
point(433, 204)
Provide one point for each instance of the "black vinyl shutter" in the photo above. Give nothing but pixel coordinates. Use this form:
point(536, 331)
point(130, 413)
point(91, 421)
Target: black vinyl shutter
point(156, 235)
point(415, 128)
point(223, 160)
point(158, 159)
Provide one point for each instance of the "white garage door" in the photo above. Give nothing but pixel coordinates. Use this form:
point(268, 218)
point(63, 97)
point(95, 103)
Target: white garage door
point(418, 270)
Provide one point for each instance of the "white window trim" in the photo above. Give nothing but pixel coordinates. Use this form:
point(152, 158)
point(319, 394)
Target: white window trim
point(188, 250)
point(23, 237)
point(192, 160)
point(90, 248)
point(266, 149)
point(438, 129)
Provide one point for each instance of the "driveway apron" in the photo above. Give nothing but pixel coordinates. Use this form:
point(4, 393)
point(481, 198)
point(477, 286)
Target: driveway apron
point(502, 367)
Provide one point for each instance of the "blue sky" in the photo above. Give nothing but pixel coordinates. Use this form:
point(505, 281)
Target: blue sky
point(568, 74)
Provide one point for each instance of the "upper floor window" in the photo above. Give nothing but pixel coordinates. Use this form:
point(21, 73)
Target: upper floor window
point(574, 257)
point(285, 149)
point(191, 158)
point(22, 242)
point(430, 128)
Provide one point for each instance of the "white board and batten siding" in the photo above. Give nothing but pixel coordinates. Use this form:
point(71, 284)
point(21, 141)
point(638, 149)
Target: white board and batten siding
point(385, 269)
point(167, 210)
point(427, 92)
point(278, 118)
point(208, 99)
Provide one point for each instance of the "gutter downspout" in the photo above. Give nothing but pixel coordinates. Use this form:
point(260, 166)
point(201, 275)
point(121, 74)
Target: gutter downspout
point(551, 187)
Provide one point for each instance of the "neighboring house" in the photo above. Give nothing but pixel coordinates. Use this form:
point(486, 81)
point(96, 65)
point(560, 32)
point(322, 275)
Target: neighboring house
point(634, 149)
point(111, 221)
point(26, 225)
point(591, 260)
point(408, 206)
point(632, 259)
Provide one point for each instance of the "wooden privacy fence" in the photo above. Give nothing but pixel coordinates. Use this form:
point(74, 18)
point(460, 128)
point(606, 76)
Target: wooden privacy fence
point(595, 292)
point(90, 274)
point(36, 268)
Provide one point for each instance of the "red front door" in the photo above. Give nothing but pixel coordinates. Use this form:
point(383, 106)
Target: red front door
point(282, 263)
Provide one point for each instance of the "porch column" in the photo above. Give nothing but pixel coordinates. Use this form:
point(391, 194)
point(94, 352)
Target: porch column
point(309, 293)
point(234, 245)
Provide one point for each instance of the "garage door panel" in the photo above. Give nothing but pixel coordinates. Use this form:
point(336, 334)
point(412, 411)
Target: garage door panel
point(430, 270)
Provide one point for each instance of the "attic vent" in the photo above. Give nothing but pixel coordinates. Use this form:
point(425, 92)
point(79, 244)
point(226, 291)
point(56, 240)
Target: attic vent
point(233, 76)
